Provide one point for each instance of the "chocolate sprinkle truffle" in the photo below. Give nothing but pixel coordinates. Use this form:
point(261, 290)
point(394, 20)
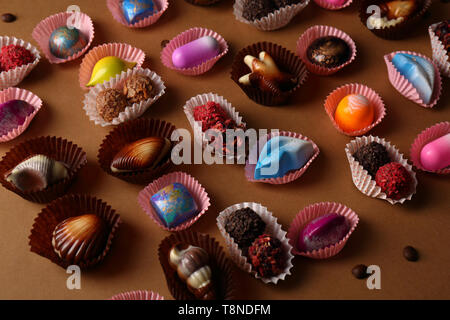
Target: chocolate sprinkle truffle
point(110, 103)
point(244, 226)
point(443, 33)
point(329, 52)
point(257, 9)
point(266, 256)
point(372, 156)
point(137, 88)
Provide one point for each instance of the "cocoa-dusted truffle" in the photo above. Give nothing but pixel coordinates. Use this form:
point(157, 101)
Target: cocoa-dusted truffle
point(257, 9)
point(372, 156)
point(329, 52)
point(137, 88)
point(394, 180)
point(244, 225)
point(110, 103)
point(266, 256)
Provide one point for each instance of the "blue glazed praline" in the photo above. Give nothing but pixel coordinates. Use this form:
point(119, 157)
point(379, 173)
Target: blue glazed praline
point(282, 154)
point(174, 205)
point(418, 71)
point(65, 42)
point(135, 10)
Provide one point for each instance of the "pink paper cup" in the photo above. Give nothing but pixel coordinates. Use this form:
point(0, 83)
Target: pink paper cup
point(312, 212)
point(440, 55)
point(426, 136)
point(272, 227)
point(132, 111)
point(195, 189)
point(186, 37)
point(330, 6)
point(24, 95)
point(363, 180)
point(42, 32)
point(275, 20)
point(196, 126)
point(314, 33)
point(337, 95)
point(115, 8)
point(402, 85)
point(138, 295)
point(14, 76)
point(121, 50)
point(289, 177)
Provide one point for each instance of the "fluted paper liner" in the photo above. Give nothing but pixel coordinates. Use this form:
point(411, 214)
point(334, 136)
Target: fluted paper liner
point(286, 61)
point(132, 111)
point(14, 76)
point(400, 30)
point(186, 37)
point(374, 98)
point(330, 6)
point(196, 126)
point(42, 32)
point(129, 132)
point(426, 136)
point(273, 228)
point(115, 8)
point(24, 95)
point(440, 55)
point(363, 180)
point(138, 295)
point(55, 148)
point(315, 32)
point(221, 266)
point(275, 20)
point(291, 175)
point(402, 85)
point(121, 50)
point(312, 212)
point(199, 194)
point(40, 239)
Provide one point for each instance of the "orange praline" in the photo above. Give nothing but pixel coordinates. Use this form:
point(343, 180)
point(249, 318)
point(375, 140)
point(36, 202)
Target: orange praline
point(354, 112)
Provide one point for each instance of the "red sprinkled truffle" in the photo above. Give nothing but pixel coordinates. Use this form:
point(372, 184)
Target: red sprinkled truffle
point(14, 56)
point(394, 180)
point(266, 256)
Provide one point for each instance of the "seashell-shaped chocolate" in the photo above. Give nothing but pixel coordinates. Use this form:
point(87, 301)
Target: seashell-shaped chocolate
point(37, 173)
point(80, 239)
point(191, 264)
point(141, 154)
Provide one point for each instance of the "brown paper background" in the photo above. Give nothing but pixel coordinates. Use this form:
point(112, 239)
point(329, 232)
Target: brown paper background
point(133, 263)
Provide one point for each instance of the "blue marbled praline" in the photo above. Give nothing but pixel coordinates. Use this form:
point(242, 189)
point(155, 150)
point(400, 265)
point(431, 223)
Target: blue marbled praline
point(135, 10)
point(174, 205)
point(65, 42)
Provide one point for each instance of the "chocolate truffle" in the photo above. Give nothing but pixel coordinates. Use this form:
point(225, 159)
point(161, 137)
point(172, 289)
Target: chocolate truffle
point(244, 225)
point(442, 32)
point(257, 9)
point(329, 52)
point(13, 56)
point(80, 239)
point(284, 3)
point(372, 156)
point(136, 10)
point(137, 88)
point(266, 256)
point(110, 103)
point(394, 180)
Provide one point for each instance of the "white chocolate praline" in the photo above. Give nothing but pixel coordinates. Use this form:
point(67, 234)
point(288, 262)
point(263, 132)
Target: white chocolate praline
point(382, 22)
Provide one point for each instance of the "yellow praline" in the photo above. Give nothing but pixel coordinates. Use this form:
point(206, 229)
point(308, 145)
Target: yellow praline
point(106, 68)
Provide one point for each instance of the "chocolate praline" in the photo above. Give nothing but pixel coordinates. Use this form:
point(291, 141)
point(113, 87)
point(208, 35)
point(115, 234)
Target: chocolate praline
point(244, 226)
point(137, 88)
point(329, 52)
point(372, 156)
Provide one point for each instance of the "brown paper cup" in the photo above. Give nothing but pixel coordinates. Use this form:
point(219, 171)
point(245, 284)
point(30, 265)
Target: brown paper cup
point(286, 61)
point(138, 295)
point(129, 132)
point(440, 55)
point(399, 31)
point(272, 227)
point(56, 148)
point(364, 181)
point(202, 2)
point(221, 266)
point(61, 209)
